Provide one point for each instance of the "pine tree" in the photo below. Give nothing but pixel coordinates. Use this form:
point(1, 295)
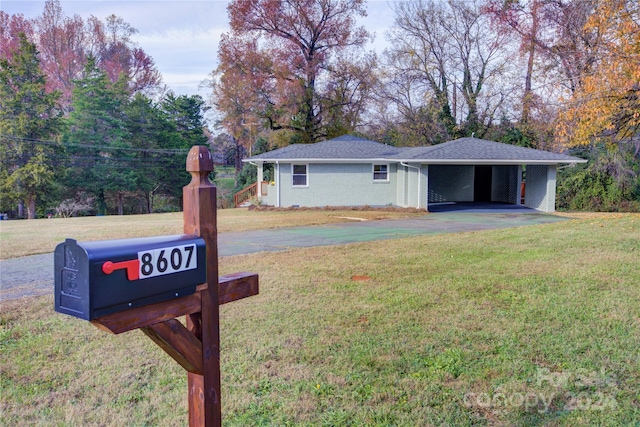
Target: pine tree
point(98, 138)
point(152, 133)
point(29, 119)
point(185, 113)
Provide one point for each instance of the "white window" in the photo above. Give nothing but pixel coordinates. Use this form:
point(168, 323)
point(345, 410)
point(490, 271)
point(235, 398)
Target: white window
point(299, 175)
point(381, 172)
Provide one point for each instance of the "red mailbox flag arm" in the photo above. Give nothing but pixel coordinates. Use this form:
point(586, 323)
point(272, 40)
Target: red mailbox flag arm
point(132, 267)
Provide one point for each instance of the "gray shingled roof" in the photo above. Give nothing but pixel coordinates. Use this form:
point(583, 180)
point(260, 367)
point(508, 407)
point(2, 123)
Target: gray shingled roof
point(343, 147)
point(474, 149)
point(349, 148)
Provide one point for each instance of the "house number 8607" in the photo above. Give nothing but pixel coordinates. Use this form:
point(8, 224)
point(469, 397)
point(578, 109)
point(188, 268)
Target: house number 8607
point(163, 261)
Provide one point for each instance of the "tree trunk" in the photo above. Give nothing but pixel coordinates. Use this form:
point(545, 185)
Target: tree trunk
point(528, 94)
point(120, 204)
point(101, 204)
point(31, 207)
point(149, 202)
point(237, 158)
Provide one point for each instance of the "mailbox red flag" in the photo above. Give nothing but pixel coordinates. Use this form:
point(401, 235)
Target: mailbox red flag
point(132, 267)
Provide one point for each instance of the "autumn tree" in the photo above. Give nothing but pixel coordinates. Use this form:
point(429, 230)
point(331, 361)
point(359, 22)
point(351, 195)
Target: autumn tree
point(277, 61)
point(66, 42)
point(11, 26)
point(116, 53)
point(29, 121)
point(601, 117)
point(348, 94)
point(557, 51)
point(606, 104)
point(408, 112)
point(568, 44)
point(62, 41)
point(522, 19)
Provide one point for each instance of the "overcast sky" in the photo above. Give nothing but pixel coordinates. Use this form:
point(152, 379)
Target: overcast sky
point(181, 36)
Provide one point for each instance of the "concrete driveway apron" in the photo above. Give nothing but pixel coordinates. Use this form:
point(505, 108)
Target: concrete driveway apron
point(33, 275)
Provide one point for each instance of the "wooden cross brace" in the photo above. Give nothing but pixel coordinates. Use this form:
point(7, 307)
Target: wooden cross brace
point(158, 321)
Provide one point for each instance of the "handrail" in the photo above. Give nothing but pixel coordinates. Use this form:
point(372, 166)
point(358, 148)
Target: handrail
point(245, 194)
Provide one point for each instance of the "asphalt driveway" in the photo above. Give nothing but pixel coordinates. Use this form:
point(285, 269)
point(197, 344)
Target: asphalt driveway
point(33, 275)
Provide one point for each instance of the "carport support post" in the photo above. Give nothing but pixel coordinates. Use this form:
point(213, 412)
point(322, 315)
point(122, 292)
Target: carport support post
point(200, 219)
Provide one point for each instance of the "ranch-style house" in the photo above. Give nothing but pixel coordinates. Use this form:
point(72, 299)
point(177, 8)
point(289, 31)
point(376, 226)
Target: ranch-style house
point(353, 171)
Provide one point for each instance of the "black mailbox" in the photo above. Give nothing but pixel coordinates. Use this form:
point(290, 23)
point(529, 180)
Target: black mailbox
point(93, 279)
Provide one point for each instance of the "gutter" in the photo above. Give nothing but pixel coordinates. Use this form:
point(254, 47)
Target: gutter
point(494, 162)
point(312, 160)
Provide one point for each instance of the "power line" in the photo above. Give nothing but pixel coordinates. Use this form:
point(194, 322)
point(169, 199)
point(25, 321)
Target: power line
point(175, 151)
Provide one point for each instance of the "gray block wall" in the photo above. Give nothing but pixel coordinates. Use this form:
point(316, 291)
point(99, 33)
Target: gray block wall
point(540, 190)
point(334, 185)
point(413, 191)
point(504, 184)
point(451, 183)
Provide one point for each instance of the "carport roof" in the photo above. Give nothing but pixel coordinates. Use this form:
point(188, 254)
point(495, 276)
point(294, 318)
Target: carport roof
point(475, 150)
point(351, 149)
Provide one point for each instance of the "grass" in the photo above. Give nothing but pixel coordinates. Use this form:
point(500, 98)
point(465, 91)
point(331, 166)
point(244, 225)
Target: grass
point(22, 238)
point(536, 325)
point(225, 180)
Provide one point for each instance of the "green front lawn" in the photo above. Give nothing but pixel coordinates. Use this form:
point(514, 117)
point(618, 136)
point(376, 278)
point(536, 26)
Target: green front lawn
point(537, 325)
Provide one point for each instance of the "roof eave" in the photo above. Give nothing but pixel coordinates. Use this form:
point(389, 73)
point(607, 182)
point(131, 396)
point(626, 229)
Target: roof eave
point(490, 161)
point(310, 160)
point(424, 161)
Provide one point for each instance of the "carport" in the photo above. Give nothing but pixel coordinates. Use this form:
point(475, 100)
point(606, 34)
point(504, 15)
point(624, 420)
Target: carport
point(494, 183)
point(474, 183)
point(471, 170)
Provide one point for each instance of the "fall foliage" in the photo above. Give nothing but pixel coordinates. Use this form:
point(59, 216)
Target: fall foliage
point(607, 105)
point(279, 61)
point(65, 42)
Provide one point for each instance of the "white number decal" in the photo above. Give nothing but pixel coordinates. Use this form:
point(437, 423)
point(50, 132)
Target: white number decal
point(167, 261)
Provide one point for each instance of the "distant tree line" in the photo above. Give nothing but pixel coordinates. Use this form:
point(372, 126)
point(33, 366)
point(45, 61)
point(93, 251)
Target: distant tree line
point(555, 75)
point(86, 125)
point(115, 150)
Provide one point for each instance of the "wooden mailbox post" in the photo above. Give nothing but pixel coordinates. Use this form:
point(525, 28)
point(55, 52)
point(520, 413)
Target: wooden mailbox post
point(195, 347)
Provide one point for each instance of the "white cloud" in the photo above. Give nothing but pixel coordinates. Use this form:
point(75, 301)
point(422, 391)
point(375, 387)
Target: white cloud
point(184, 57)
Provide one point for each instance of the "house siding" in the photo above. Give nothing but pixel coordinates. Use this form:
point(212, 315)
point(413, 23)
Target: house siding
point(340, 174)
point(335, 185)
point(401, 186)
point(412, 186)
point(269, 198)
point(541, 188)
